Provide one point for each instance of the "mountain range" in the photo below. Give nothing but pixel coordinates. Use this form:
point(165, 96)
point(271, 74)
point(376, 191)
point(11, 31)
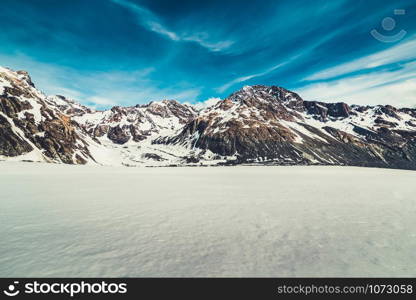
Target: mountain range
point(266, 125)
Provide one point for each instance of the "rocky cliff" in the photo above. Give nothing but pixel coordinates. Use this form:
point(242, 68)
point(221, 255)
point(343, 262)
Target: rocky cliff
point(255, 125)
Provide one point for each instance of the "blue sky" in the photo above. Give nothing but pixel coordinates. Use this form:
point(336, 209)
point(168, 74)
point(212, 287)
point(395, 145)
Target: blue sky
point(125, 52)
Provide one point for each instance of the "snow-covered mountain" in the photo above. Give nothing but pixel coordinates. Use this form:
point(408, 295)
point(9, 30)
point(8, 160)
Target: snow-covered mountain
point(255, 125)
point(32, 127)
point(262, 124)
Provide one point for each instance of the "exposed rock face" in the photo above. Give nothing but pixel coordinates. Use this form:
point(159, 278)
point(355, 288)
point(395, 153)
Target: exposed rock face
point(118, 135)
point(32, 127)
point(11, 144)
point(258, 124)
point(137, 123)
point(68, 106)
point(273, 125)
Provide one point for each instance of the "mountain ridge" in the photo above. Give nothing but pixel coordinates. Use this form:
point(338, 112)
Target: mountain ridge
point(254, 125)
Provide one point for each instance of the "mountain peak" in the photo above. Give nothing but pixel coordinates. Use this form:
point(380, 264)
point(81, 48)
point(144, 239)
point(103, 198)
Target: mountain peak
point(19, 76)
point(24, 75)
point(264, 93)
point(257, 124)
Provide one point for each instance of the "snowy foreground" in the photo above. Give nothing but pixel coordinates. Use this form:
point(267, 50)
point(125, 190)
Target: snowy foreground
point(60, 220)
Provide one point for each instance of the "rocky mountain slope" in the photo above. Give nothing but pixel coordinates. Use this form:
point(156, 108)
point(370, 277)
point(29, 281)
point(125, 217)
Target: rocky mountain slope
point(256, 125)
point(34, 128)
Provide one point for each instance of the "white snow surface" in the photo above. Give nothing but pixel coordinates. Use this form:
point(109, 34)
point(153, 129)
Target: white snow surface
point(87, 221)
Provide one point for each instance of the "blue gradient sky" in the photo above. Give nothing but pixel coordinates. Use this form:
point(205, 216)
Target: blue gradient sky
point(124, 52)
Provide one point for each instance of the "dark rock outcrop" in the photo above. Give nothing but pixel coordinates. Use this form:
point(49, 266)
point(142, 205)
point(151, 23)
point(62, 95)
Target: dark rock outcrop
point(28, 119)
point(271, 124)
point(256, 125)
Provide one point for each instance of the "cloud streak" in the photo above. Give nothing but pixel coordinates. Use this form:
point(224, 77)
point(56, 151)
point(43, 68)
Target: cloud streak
point(397, 88)
point(226, 86)
point(99, 89)
point(304, 52)
point(384, 77)
point(150, 21)
point(401, 52)
point(192, 50)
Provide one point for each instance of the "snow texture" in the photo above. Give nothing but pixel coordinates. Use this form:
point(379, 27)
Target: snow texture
point(82, 221)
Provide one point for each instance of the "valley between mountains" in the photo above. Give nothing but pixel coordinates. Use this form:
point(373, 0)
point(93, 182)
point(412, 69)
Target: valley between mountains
point(265, 125)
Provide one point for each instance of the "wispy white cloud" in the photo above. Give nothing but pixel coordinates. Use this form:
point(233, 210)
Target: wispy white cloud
point(229, 84)
point(403, 51)
point(304, 52)
point(68, 93)
point(100, 101)
point(152, 22)
point(397, 88)
point(204, 104)
point(142, 95)
point(98, 89)
point(148, 20)
point(202, 38)
point(378, 84)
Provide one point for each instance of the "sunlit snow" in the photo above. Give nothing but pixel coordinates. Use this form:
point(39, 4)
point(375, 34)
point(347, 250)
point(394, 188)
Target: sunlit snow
point(61, 220)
